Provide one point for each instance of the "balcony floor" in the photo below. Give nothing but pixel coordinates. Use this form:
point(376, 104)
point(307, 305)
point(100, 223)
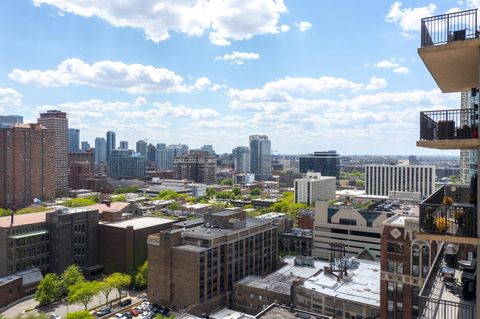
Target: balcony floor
point(452, 144)
point(439, 292)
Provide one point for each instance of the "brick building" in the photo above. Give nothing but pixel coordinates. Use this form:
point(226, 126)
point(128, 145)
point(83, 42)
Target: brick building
point(199, 265)
point(196, 166)
point(306, 219)
point(296, 240)
point(26, 170)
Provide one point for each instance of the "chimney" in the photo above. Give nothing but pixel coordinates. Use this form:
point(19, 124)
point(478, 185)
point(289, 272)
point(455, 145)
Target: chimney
point(11, 219)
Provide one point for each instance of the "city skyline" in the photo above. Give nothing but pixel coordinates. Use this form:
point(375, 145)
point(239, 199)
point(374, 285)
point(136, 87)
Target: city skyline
point(308, 75)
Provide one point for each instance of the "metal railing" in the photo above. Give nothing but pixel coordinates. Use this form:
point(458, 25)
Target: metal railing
point(448, 211)
point(449, 124)
point(430, 306)
point(445, 28)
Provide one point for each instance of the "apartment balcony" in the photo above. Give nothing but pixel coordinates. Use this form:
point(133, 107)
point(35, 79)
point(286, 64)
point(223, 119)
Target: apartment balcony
point(449, 129)
point(447, 293)
point(450, 50)
point(448, 215)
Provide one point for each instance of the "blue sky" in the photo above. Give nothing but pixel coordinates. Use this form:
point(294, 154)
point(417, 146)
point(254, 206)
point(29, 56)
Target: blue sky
point(312, 75)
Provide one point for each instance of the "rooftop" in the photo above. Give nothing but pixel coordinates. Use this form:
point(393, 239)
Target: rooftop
point(281, 312)
point(139, 223)
point(114, 206)
point(24, 219)
point(202, 232)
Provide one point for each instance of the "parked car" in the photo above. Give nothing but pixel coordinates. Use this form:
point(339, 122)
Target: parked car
point(135, 312)
point(54, 316)
point(103, 311)
point(126, 302)
point(128, 315)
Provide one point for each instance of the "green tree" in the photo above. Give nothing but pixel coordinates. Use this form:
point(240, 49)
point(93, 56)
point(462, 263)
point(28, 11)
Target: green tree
point(105, 288)
point(216, 207)
point(237, 191)
point(175, 206)
point(123, 190)
point(71, 276)
point(83, 292)
point(80, 202)
point(255, 191)
point(211, 192)
point(226, 181)
point(120, 198)
point(80, 315)
point(5, 212)
point(48, 289)
point(118, 281)
point(141, 278)
point(168, 194)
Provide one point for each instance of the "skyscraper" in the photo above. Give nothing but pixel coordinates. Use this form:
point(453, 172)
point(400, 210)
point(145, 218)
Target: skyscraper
point(127, 164)
point(151, 153)
point(100, 150)
point(197, 166)
point(260, 157)
point(209, 149)
point(73, 140)
point(57, 122)
point(327, 163)
point(166, 154)
point(26, 165)
point(241, 159)
point(85, 146)
point(7, 121)
point(142, 147)
point(111, 144)
point(123, 145)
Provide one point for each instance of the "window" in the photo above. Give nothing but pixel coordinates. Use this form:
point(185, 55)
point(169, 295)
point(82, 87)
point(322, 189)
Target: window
point(400, 248)
point(399, 269)
point(390, 266)
point(390, 247)
point(344, 221)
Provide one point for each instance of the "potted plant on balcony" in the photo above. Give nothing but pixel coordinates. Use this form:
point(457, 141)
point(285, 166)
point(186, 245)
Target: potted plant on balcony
point(447, 201)
point(429, 222)
point(441, 224)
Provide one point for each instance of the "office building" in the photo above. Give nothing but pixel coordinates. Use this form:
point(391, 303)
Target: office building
point(209, 149)
point(85, 146)
point(314, 187)
point(468, 157)
point(123, 145)
point(81, 167)
point(241, 159)
point(7, 121)
point(100, 150)
point(196, 267)
point(166, 154)
point(287, 178)
point(243, 179)
point(57, 122)
point(260, 157)
point(73, 140)
point(151, 154)
point(198, 190)
point(141, 148)
point(127, 164)
point(196, 166)
point(73, 236)
point(111, 143)
point(26, 165)
point(327, 163)
point(380, 180)
point(310, 285)
point(357, 226)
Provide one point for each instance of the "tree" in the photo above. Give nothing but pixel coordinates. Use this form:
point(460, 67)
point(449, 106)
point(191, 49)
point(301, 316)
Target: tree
point(5, 212)
point(83, 292)
point(255, 191)
point(227, 182)
point(123, 190)
point(175, 206)
point(80, 315)
point(48, 289)
point(118, 281)
point(168, 194)
point(211, 192)
point(105, 288)
point(237, 191)
point(71, 276)
point(120, 198)
point(141, 278)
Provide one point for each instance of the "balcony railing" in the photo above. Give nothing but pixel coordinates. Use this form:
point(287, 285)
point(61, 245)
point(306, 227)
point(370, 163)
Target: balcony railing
point(435, 302)
point(450, 211)
point(444, 28)
point(449, 124)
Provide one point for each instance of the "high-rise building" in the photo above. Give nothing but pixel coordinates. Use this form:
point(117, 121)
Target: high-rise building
point(81, 167)
point(209, 149)
point(57, 122)
point(327, 163)
point(123, 145)
point(241, 159)
point(196, 166)
point(166, 154)
point(73, 140)
point(151, 154)
point(111, 144)
point(127, 164)
point(26, 165)
point(314, 187)
point(100, 150)
point(381, 180)
point(142, 147)
point(197, 267)
point(7, 121)
point(468, 157)
point(260, 157)
point(85, 146)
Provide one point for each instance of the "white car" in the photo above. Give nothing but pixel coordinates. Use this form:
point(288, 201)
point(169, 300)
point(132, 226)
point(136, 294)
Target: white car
point(54, 316)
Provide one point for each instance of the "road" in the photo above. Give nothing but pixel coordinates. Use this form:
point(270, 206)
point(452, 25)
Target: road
point(62, 308)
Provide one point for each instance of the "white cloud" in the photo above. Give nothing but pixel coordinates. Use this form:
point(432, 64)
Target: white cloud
point(393, 65)
point(409, 18)
point(284, 28)
point(223, 20)
point(132, 78)
point(238, 57)
point(303, 26)
point(161, 110)
point(375, 83)
point(9, 100)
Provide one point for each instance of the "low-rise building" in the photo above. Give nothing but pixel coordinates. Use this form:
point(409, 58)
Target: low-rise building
point(198, 190)
point(296, 240)
point(314, 187)
point(244, 178)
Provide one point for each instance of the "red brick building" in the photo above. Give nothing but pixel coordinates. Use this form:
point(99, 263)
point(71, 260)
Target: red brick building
point(25, 165)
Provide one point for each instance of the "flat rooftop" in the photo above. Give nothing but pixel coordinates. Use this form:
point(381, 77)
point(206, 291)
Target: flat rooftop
point(202, 232)
point(281, 312)
point(114, 206)
point(362, 284)
point(24, 219)
point(141, 222)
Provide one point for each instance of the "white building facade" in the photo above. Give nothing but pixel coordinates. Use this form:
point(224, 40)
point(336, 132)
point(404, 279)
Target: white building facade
point(314, 187)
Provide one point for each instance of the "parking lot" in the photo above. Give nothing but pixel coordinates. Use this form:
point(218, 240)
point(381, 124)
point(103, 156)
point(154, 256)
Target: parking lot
point(140, 310)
